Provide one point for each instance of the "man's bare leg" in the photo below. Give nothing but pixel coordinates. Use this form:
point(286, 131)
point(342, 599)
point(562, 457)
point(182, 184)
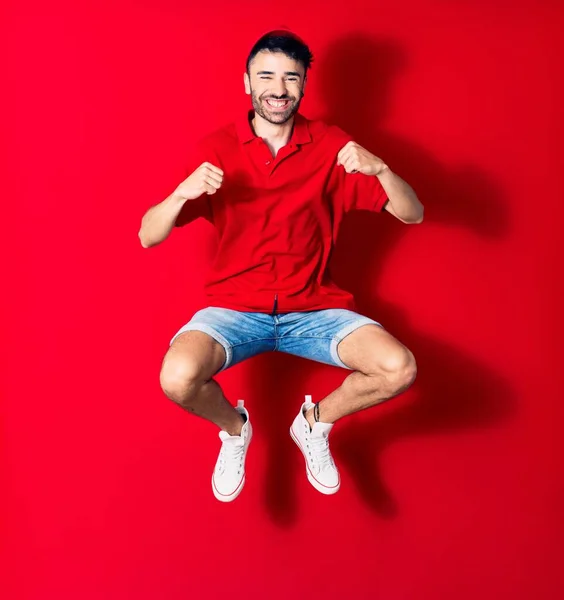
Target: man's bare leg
point(186, 378)
point(383, 368)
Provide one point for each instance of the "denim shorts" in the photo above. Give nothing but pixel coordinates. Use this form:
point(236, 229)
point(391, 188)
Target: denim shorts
point(314, 335)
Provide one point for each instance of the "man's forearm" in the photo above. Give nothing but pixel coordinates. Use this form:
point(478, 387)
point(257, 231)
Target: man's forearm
point(403, 199)
point(158, 221)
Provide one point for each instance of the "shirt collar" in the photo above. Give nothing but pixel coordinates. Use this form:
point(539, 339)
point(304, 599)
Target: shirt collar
point(300, 134)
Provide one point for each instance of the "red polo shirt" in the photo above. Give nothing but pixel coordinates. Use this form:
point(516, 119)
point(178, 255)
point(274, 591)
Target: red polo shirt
point(278, 218)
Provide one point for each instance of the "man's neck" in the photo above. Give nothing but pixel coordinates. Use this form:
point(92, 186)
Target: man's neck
point(275, 136)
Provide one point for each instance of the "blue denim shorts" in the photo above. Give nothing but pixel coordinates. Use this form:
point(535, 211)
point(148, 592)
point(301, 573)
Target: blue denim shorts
point(314, 334)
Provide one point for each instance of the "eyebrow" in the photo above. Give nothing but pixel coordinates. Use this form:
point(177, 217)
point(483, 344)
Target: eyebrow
point(295, 73)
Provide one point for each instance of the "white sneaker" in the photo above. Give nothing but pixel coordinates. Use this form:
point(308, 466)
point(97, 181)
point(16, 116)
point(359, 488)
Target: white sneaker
point(228, 476)
point(314, 444)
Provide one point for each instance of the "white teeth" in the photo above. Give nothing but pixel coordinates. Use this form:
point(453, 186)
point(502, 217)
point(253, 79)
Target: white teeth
point(277, 104)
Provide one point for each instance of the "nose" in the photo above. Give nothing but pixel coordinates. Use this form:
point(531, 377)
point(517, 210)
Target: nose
point(279, 87)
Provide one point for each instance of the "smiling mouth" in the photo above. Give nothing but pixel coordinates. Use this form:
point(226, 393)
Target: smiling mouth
point(277, 104)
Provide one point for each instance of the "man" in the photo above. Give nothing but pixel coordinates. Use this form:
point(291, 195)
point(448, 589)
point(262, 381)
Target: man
point(276, 186)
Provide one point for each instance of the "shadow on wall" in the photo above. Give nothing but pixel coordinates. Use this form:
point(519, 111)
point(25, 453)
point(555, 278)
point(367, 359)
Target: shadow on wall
point(452, 391)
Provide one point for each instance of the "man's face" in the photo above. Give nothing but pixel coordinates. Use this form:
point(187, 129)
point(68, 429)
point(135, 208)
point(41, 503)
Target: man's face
point(276, 85)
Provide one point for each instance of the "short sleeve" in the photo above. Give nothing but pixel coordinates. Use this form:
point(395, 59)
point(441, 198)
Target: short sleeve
point(201, 207)
point(355, 191)
point(194, 209)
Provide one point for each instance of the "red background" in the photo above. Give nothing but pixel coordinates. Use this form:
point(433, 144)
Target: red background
point(454, 489)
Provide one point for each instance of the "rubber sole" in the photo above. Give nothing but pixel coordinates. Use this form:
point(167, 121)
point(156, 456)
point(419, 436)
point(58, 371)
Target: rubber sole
point(229, 498)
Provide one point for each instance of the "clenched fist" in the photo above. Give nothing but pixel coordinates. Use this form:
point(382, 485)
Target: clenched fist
point(357, 159)
point(206, 179)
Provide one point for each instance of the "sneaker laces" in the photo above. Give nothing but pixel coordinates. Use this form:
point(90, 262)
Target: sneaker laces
point(231, 454)
point(318, 447)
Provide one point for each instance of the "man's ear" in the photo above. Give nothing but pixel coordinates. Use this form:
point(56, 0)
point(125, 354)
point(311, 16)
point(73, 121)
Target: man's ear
point(247, 82)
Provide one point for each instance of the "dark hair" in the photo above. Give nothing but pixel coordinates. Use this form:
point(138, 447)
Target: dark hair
point(286, 42)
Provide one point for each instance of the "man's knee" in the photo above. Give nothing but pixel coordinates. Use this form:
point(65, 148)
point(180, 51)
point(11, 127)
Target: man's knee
point(191, 361)
point(180, 379)
point(399, 369)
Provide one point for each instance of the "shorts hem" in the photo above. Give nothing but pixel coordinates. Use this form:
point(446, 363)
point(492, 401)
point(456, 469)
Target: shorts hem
point(212, 333)
point(343, 333)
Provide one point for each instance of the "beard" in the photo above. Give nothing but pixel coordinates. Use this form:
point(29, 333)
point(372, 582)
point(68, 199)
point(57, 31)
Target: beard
point(276, 117)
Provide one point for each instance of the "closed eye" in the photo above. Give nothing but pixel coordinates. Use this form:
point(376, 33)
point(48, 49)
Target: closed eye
point(292, 79)
point(290, 75)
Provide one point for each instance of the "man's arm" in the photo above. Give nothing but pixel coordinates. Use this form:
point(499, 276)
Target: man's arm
point(158, 221)
point(402, 200)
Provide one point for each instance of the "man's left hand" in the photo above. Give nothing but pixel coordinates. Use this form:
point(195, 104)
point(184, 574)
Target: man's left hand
point(357, 159)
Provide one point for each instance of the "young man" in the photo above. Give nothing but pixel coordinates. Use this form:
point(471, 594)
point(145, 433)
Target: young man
point(276, 186)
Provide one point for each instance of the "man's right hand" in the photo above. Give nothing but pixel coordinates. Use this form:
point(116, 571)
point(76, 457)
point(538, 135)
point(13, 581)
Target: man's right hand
point(206, 179)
